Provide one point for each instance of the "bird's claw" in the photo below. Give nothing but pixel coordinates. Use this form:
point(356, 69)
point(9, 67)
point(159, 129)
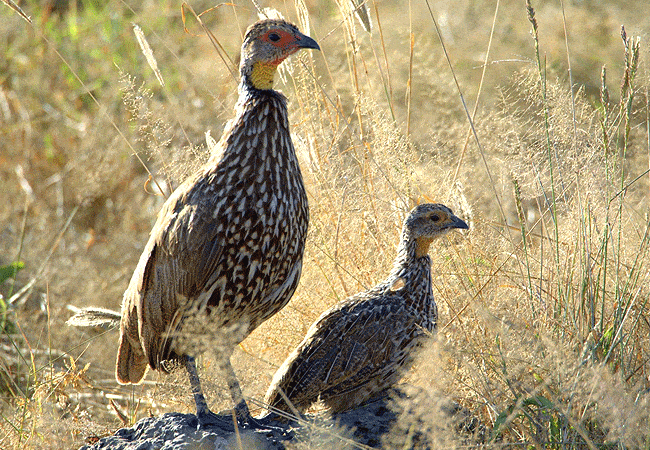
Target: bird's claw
point(208, 419)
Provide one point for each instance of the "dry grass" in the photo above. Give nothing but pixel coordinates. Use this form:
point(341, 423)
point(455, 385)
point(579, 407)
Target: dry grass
point(544, 331)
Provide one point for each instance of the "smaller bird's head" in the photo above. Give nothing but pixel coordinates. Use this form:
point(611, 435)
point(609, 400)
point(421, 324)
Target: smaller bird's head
point(266, 44)
point(428, 221)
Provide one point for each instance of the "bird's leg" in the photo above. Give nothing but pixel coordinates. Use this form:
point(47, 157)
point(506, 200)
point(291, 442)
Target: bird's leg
point(242, 412)
point(241, 408)
point(195, 383)
point(203, 413)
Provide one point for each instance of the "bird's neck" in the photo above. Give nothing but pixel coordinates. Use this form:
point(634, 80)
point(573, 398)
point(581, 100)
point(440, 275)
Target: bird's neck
point(411, 277)
point(412, 263)
point(258, 76)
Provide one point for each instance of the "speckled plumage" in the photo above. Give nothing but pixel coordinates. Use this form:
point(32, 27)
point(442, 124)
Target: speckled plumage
point(228, 243)
point(363, 345)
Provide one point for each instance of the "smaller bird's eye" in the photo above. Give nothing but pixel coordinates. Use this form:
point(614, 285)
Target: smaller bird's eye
point(435, 218)
point(275, 37)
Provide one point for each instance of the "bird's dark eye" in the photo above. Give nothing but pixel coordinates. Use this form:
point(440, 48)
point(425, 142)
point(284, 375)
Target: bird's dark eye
point(275, 37)
point(435, 218)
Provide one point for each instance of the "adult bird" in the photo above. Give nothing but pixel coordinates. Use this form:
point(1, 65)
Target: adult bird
point(363, 345)
point(226, 249)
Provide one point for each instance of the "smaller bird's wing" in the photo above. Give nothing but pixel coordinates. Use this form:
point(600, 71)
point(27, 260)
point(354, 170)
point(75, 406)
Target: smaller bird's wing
point(347, 347)
point(381, 332)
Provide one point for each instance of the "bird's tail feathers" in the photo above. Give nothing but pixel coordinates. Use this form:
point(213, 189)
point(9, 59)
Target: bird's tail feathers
point(131, 365)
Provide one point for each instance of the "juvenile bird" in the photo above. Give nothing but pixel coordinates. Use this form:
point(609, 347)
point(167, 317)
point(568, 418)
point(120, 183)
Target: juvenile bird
point(363, 345)
point(227, 246)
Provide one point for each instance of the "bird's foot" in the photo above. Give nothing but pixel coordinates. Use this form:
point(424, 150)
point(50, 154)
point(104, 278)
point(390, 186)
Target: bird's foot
point(263, 424)
point(208, 419)
point(244, 417)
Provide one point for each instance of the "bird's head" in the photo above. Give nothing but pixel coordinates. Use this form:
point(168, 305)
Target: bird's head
point(428, 221)
point(267, 43)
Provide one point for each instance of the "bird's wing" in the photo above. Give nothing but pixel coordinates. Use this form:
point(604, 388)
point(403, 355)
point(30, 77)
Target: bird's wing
point(192, 232)
point(348, 345)
point(190, 236)
point(184, 248)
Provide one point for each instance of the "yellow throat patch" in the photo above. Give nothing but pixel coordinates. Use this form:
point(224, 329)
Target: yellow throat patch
point(262, 75)
point(422, 247)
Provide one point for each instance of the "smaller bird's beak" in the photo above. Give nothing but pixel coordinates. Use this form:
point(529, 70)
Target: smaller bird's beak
point(306, 42)
point(459, 223)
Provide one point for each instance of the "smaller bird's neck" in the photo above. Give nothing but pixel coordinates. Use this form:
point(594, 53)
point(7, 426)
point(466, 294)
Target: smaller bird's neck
point(412, 261)
point(411, 276)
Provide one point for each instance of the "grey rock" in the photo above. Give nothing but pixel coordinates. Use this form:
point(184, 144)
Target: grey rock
point(175, 431)
point(401, 418)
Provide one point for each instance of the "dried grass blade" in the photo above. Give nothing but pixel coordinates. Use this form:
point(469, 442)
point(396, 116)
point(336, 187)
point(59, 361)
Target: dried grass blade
point(15, 7)
point(228, 62)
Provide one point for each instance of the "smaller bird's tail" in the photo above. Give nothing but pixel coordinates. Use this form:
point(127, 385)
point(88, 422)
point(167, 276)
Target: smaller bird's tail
point(93, 317)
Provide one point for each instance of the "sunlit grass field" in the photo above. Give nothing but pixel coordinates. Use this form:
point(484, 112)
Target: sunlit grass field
point(531, 123)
